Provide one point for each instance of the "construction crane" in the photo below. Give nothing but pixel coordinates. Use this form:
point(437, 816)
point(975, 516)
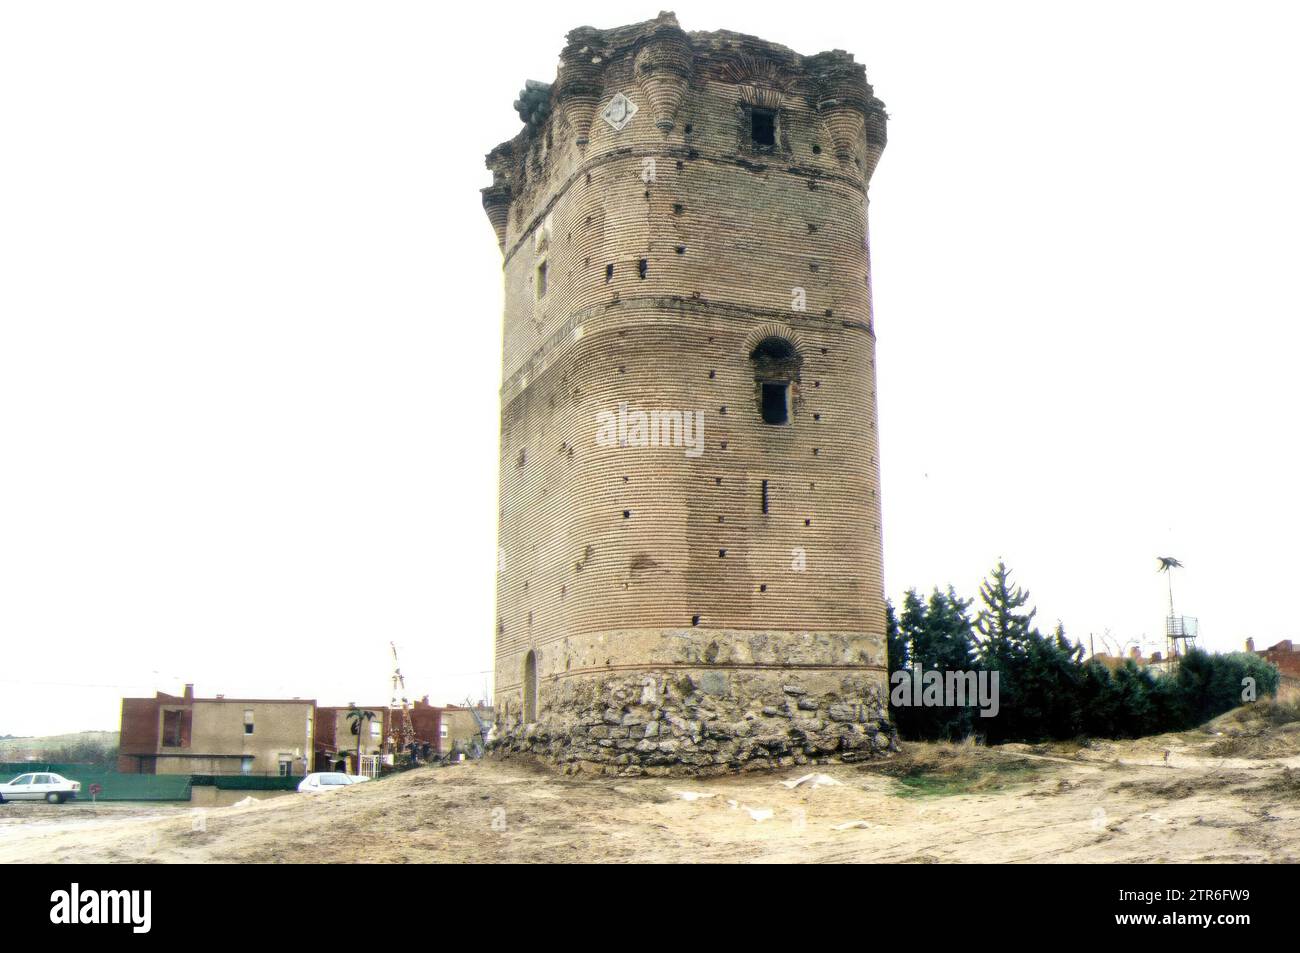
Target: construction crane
point(483, 728)
point(405, 730)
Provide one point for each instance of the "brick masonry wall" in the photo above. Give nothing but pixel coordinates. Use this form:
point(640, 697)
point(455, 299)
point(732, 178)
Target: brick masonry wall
point(626, 563)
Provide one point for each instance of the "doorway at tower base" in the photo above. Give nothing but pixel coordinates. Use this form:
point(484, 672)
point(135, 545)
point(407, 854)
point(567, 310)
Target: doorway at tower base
point(706, 720)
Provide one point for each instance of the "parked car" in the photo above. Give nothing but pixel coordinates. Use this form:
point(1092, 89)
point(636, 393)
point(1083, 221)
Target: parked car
point(40, 786)
point(324, 781)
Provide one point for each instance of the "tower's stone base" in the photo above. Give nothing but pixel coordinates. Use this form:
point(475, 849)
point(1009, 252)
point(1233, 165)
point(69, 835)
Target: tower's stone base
point(703, 720)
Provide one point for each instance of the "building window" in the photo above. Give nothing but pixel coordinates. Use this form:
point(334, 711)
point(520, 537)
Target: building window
point(776, 406)
point(541, 281)
point(776, 367)
point(248, 721)
point(762, 126)
point(286, 768)
point(246, 764)
point(442, 732)
point(174, 730)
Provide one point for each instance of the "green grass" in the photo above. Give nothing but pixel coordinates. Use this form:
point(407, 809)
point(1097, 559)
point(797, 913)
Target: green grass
point(921, 781)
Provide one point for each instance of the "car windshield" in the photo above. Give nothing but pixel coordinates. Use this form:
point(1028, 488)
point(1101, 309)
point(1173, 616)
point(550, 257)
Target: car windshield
point(334, 779)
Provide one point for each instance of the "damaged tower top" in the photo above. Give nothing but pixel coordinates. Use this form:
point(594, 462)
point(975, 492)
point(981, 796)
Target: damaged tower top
point(690, 548)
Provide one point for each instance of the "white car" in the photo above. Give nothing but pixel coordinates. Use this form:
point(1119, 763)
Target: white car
point(41, 786)
point(323, 781)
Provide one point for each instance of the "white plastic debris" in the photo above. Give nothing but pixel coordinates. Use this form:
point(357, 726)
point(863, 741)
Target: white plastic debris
point(761, 814)
point(692, 795)
point(246, 802)
point(818, 780)
point(851, 825)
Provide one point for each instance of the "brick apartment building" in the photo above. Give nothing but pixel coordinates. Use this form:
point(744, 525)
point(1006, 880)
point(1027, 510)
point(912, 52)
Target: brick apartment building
point(170, 734)
point(1284, 656)
point(437, 729)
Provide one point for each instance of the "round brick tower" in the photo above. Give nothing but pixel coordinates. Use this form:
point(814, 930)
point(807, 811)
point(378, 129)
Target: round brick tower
point(690, 546)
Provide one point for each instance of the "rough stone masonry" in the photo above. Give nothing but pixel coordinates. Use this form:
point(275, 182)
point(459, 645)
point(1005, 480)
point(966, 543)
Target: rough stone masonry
point(689, 572)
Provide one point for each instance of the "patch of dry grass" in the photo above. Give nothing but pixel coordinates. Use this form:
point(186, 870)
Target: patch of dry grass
point(942, 768)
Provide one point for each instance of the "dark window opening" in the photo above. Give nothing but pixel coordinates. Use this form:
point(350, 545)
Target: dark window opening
point(765, 501)
point(695, 620)
point(776, 402)
point(609, 273)
point(541, 280)
point(176, 729)
point(530, 688)
point(642, 267)
point(762, 127)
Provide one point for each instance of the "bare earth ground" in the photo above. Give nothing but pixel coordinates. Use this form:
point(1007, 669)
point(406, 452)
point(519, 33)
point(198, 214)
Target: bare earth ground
point(1229, 792)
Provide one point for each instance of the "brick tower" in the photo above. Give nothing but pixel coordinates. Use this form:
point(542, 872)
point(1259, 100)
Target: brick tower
point(690, 546)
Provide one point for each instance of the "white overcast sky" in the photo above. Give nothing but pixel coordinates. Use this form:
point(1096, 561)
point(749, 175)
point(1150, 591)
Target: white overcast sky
point(250, 322)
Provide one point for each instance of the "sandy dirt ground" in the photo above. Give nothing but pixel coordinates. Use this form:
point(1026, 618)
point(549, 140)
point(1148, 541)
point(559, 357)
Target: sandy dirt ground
point(1227, 793)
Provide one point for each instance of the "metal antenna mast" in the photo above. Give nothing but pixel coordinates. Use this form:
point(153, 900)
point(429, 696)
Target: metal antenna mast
point(1180, 630)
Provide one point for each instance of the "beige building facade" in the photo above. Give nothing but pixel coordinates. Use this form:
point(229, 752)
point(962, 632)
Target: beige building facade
point(171, 734)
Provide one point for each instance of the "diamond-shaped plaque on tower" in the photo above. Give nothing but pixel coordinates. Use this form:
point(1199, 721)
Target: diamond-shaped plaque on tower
point(619, 112)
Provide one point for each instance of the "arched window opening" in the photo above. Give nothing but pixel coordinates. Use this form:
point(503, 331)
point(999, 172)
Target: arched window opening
point(776, 368)
point(530, 688)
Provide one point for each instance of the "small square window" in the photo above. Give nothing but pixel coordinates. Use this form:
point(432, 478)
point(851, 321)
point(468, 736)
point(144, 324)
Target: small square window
point(541, 280)
point(762, 128)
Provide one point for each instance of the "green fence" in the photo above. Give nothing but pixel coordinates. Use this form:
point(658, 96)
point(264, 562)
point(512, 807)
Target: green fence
point(146, 787)
point(247, 782)
point(115, 787)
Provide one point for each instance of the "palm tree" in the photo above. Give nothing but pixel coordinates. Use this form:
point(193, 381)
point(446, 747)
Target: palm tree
point(1167, 563)
point(356, 718)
